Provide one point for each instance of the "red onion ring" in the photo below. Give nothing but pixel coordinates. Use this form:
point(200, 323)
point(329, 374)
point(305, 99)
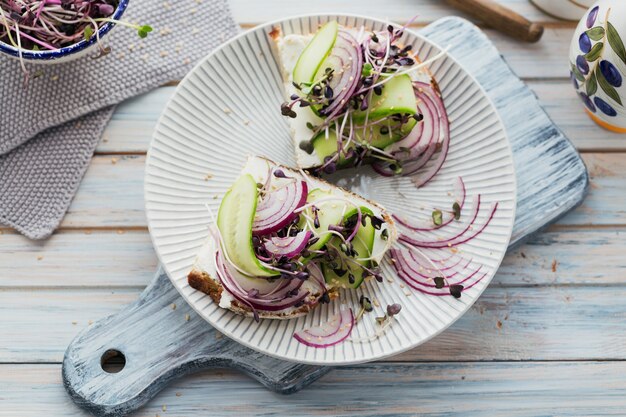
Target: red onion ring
point(348, 58)
point(434, 126)
point(287, 296)
point(423, 179)
point(334, 331)
point(460, 194)
point(290, 246)
point(277, 209)
point(403, 267)
point(460, 237)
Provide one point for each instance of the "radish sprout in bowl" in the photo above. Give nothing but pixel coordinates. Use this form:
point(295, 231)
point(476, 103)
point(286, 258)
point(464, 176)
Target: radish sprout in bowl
point(48, 29)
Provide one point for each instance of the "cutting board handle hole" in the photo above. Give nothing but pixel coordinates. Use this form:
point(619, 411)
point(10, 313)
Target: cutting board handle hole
point(112, 361)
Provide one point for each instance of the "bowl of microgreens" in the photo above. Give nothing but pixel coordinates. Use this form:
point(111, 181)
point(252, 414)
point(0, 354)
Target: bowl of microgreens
point(53, 31)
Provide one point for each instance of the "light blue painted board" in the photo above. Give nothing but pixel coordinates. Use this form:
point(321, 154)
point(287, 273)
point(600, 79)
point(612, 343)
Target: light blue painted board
point(552, 179)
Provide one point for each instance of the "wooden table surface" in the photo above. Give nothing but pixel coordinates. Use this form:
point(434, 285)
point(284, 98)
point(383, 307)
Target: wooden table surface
point(547, 337)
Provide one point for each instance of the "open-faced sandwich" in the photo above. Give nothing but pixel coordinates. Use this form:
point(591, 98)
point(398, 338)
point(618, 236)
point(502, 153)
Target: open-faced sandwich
point(356, 96)
point(284, 242)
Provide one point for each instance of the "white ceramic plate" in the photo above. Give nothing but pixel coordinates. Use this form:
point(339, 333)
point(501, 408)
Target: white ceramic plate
point(229, 107)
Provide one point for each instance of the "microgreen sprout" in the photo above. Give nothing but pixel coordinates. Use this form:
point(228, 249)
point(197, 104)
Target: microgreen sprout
point(456, 208)
point(437, 217)
point(38, 25)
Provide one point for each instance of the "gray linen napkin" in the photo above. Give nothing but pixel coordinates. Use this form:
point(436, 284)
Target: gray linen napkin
point(49, 130)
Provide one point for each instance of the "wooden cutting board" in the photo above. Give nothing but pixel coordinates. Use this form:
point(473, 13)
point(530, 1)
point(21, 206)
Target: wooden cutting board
point(161, 337)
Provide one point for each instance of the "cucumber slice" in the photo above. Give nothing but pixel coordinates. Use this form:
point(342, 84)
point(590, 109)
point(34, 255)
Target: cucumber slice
point(329, 213)
point(363, 244)
point(397, 97)
point(327, 147)
point(234, 221)
point(381, 140)
point(315, 53)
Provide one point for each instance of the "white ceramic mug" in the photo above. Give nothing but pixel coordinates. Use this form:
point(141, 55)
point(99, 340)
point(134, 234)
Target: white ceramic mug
point(564, 9)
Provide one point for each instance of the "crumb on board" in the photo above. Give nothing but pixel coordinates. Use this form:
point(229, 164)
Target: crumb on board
point(163, 54)
point(499, 324)
point(227, 110)
point(179, 394)
point(74, 323)
point(173, 306)
point(88, 232)
point(39, 258)
point(120, 231)
point(218, 335)
point(523, 255)
point(114, 161)
point(164, 407)
point(187, 317)
point(554, 265)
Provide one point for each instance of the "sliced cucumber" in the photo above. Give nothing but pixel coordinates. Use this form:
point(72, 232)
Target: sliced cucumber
point(328, 213)
point(315, 53)
point(363, 244)
point(397, 97)
point(381, 140)
point(234, 221)
point(327, 147)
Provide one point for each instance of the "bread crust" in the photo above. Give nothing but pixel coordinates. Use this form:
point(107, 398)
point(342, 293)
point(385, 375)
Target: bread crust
point(204, 282)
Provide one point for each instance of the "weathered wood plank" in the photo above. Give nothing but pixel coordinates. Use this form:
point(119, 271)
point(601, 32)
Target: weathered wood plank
point(78, 259)
point(605, 204)
point(107, 258)
point(111, 194)
point(564, 108)
point(527, 323)
point(468, 389)
point(253, 12)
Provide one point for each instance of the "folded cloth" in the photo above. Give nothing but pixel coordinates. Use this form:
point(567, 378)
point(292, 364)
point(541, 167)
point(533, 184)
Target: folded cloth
point(49, 129)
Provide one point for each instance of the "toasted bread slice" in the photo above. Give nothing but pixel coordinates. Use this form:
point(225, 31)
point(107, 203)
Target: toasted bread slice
point(204, 277)
point(288, 49)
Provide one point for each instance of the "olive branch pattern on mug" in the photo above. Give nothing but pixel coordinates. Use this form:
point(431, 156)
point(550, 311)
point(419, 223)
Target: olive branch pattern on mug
point(592, 71)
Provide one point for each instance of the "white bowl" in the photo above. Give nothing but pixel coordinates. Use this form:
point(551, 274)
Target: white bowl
point(228, 107)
